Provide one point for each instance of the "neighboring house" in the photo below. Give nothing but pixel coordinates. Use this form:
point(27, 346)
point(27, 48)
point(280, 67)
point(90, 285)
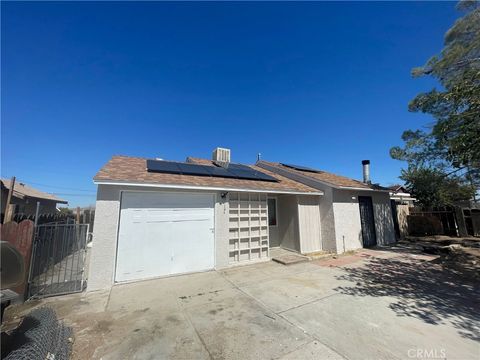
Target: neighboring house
point(401, 195)
point(353, 214)
point(25, 198)
point(156, 218)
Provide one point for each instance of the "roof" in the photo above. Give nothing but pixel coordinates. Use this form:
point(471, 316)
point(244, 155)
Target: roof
point(326, 177)
point(21, 190)
point(133, 170)
point(398, 188)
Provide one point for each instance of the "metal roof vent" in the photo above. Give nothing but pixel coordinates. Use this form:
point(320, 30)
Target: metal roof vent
point(221, 155)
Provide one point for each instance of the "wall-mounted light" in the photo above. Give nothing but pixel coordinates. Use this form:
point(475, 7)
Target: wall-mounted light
point(223, 195)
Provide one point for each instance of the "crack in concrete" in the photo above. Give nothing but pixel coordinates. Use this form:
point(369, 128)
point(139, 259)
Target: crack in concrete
point(187, 316)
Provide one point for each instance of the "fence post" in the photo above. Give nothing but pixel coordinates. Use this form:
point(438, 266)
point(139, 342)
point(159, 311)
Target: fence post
point(37, 212)
point(8, 209)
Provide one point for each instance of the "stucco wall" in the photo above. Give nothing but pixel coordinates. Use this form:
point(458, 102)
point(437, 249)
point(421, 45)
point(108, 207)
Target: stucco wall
point(104, 249)
point(348, 235)
point(382, 210)
point(347, 218)
point(103, 255)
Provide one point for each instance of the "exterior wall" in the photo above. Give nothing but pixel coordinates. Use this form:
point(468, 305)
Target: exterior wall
point(348, 234)
point(103, 255)
point(347, 218)
point(382, 210)
point(309, 224)
point(288, 222)
point(327, 218)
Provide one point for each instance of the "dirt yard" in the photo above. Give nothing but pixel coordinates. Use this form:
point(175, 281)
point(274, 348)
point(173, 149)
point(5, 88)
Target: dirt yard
point(461, 255)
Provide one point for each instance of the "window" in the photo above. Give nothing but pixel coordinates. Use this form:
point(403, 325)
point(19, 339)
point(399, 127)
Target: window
point(272, 212)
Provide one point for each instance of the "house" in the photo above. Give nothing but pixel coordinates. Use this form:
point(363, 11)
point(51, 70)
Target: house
point(353, 213)
point(157, 218)
point(400, 195)
point(25, 198)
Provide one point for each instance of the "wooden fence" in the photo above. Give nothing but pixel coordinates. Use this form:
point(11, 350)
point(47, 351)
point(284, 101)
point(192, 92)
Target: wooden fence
point(444, 221)
point(20, 235)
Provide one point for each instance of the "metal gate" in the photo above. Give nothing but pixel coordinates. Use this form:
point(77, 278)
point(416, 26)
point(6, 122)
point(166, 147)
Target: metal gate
point(367, 220)
point(58, 260)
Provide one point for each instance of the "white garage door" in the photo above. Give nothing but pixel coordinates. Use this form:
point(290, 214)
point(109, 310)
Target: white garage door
point(164, 233)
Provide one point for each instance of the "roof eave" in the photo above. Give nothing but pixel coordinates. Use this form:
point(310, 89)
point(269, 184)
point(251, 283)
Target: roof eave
point(209, 188)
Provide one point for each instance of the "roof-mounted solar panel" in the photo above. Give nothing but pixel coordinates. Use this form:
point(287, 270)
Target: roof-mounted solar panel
point(163, 166)
point(301, 168)
point(193, 169)
point(220, 172)
point(235, 171)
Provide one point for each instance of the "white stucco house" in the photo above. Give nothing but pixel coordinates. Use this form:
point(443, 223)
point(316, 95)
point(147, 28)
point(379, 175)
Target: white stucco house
point(158, 218)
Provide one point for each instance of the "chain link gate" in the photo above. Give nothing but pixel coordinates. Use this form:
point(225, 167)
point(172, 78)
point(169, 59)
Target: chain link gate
point(58, 260)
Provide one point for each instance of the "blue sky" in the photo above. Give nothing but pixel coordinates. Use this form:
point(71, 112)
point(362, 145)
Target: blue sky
point(320, 84)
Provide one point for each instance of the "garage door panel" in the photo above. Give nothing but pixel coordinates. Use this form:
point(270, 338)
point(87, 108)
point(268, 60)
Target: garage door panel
point(157, 241)
point(191, 255)
point(145, 200)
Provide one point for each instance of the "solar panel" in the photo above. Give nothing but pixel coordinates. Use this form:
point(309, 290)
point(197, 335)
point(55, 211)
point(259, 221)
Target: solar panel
point(235, 171)
point(193, 169)
point(163, 166)
point(238, 167)
point(265, 177)
point(220, 172)
point(302, 168)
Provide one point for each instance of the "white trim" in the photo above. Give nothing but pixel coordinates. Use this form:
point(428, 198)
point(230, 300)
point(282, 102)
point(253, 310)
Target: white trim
point(207, 188)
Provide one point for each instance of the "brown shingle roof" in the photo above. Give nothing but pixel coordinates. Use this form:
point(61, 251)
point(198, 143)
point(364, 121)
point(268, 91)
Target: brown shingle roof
point(21, 190)
point(326, 177)
point(134, 169)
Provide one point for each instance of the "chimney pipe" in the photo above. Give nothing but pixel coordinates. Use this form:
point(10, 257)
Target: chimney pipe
point(366, 171)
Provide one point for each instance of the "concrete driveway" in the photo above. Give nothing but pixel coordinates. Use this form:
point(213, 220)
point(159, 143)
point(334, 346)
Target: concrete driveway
point(390, 304)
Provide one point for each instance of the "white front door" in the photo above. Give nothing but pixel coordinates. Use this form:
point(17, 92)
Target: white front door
point(164, 233)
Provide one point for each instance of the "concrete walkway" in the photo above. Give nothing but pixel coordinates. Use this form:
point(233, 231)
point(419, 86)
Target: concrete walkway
point(370, 305)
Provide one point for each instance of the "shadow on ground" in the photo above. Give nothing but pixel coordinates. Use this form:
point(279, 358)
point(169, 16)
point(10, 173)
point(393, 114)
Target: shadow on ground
point(423, 289)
